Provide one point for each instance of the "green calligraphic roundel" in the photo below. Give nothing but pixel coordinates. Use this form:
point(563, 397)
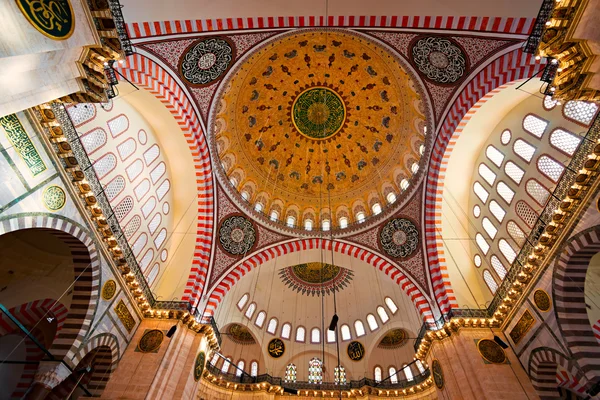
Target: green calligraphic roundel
point(438, 374)
point(53, 18)
point(276, 348)
point(318, 113)
point(199, 366)
point(356, 351)
point(54, 198)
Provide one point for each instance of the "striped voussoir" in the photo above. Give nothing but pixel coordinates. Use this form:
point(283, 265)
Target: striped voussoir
point(509, 67)
point(393, 271)
point(105, 350)
point(544, 365)
point(566, 380)
point(145, 72)
point(596, 329)
point(86, 267)
point(570, 301)
point(507, 25)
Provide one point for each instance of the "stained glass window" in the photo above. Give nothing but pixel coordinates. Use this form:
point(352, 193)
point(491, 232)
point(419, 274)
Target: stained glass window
point(487, 174)
point(272, 327)
point(550, 167)
point(523, 149)
point(315, 371)
point(151, 154)
point(498, 267)
point(494, 155)
point(286, 330)
point(565, 141)
point(126, 149)
point(526, 213)
point(118, 125)
point(382, 314)
point(250, 310)
point(507, 251)
point(123, 208)
point(377, 374)
point(505, 138)
point(497, 210)
point(132, 226)
point(372, 322)
point(516, 233)
point(359, 328)
point(514, 172)
point(490, 281)
point(93, 140)
point(489, 227)
point(393, 375)
point(480, 192)
point(290, 373)
point(505, 192)
point(104, 165)
point(345, 331)
point(391, 305)
point(254, 368)
point(114, 187)
point(482, 243)
point(534, 125)
point(242, 301)
point(580, 111)
point(339, 375)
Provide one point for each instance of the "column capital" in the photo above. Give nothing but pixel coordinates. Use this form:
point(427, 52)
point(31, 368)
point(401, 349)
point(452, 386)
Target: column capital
point(50, 374)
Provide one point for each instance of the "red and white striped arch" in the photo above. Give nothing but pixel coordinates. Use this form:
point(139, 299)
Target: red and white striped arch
point(147, 73)
point(510, 67)
point(31, 313)
point(377, 261)
point(481, 24)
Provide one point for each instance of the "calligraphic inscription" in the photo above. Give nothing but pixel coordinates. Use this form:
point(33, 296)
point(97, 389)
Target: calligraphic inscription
point(109, 289)
point(54, 198)
point(53, 18)
point(438, 373)
point(18, 138)
point(541, 300)
point(318, 113)
point(276, 348)
point(491, 351)
point(356, 351)
point(199, 366)
point(151, 341)
point(525, 323)
point(125, 316)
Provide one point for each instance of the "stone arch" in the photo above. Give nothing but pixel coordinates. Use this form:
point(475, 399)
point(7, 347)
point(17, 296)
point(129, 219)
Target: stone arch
point(569, 300)
point(546, 367)
point(86, 266)
point(218, 291)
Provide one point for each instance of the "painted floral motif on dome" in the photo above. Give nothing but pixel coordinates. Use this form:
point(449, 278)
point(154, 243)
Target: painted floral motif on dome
point(399, 238)
point(394, 339)
point(240, 334)
point(206, 61)
point(237, 235)
point(440, 59)
point(314, 278)
point(54, 198)
point(318, 112)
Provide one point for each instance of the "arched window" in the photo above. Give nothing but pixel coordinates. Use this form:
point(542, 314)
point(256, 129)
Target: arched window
point(360, 217)
point(480, 192)
point(550, 167)
point(376, 208)
point(158, 172)
point(272, 327)
point(482, 243)
point(359, 328)
point(339, 374)
point(393, 375)
point(254, 368)
point(274, 215)
point(315, 335)
point(408, 373)
point(372, 322)
point(290, 373)
point(258, 207)
point(291, 221)
point(260, 319)
point(215, 359)
point(526, 213)
point(250, 310)
point(226, 364)
point(94, 140)
point(300, 334)
point(104, 165)
point(382, 314)
point(507, 251)
point(240, 368)
point(115, 187)
point(421, 149)
point(414, 168)
point(537, 191)
point(516, 233)
point(505, 192)
point(498, 267)
point(345, 330)
point(549, 103)
point(245, 195)
point(505, 138)
point(489, 227)
point(391, 305)
point(494, 155)
point(477, 260)
point(343, 222)
point(125, 206)
point(580, 111)
point(330, 336)
point(233, 181)
point(524, 149)
point(325, 224)
point(497, 210)
point(377, 374)
point(490, 281)
point(476, 211)
point(308, 224)
point(420, 366)
point(242, 301)
point(391, 197)
point(514, 172)
point(286, 330)
point(487, 174)
point(564, 141)
point(534, 125)
point(404, 184)
point(315, 371)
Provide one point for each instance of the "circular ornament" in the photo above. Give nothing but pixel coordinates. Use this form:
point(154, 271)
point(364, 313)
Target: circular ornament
point(163, 255)
point(54, 198)
point(237, 235)
point(394, 339)
point(199, 366)
point(54, 19)
point(356, 351)
point(439, 59)
point(109, 289)
point(541, 300)
point(205, 61)
point(491, 351)
point(438, 373)
point(276, 348)
point(399, 237)
point(318, 113)
point(151, 341)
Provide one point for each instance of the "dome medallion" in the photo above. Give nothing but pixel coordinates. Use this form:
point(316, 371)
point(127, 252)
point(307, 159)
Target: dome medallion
point(318, 113)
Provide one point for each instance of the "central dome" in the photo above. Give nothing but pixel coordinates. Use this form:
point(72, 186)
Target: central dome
point(315, 118)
